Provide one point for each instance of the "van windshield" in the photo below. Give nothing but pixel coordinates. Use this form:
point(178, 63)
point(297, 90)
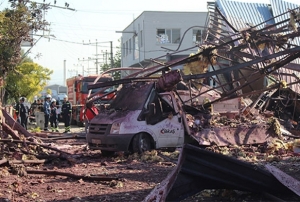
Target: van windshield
point(132, 96)
point(85, 88)
point(89, 81)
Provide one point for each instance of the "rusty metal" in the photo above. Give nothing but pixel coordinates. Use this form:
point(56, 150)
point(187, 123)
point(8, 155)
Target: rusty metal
point(199, 169)
point(226, 135)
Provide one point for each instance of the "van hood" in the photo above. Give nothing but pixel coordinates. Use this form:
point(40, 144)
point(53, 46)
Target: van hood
point(108, 117)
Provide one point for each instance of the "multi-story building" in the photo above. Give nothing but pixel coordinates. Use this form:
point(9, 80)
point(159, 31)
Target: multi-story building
point(162, 36)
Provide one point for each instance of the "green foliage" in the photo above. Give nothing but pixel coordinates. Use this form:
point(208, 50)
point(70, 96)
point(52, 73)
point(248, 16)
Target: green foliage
point(27, 80)
point(16, 24)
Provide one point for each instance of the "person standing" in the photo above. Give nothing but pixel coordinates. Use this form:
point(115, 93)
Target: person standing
point(33, 110)
point(53, 116)
point(33, 107)
point(40, 105)
point(66, 111)
point(47, 111)
point(23, 112)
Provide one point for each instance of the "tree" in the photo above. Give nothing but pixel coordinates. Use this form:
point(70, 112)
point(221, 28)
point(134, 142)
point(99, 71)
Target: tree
point(16, 24)
point(27, 80)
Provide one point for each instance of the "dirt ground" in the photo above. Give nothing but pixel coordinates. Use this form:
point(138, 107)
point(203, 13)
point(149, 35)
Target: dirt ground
point(86, 175)
point(131, 180)
point(125, 179)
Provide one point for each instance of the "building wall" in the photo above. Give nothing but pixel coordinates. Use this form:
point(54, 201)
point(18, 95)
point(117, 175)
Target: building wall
point(143, 39)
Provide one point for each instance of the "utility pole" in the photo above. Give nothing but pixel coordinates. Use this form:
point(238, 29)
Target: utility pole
point(79, 65)
point(52, 6)
point(111, 55)
point(88, 67)
point(96, 63)
point(96, 56)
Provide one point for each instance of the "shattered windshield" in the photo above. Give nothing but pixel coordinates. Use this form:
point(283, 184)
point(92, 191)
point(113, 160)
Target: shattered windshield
point(132, 96)
point(85, 88)
point(89, 81)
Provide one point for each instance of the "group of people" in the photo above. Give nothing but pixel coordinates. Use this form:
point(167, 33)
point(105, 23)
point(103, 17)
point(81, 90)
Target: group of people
point(50, 108)
point(51, 114)
point(22, 112)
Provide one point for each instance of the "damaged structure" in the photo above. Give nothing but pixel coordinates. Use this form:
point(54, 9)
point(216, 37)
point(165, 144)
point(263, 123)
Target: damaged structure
point(254, 65)
point(255, 77)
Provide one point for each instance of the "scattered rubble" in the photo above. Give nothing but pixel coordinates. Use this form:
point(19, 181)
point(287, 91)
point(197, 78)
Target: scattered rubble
point(246, 128)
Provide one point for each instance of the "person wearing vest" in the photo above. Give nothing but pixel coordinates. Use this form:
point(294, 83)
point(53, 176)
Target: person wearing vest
point(66, 111)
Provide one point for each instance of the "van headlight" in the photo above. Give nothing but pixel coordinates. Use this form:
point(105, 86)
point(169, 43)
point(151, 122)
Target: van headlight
point(115, 128)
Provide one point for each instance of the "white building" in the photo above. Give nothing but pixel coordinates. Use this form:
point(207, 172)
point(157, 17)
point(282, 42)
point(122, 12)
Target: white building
point(162, 36)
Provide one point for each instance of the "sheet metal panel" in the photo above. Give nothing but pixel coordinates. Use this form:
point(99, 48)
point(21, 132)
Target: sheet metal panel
point(279, 7)
point(241, 14)
point(283, 74)
point(198, 169)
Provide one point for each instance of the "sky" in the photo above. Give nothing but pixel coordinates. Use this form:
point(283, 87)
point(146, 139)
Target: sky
point(73, 33)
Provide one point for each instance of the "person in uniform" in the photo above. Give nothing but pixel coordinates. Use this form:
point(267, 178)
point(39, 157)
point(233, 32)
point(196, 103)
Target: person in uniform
point(23, 112)
point(66, 111)
point(53, 116)
point(47, 111)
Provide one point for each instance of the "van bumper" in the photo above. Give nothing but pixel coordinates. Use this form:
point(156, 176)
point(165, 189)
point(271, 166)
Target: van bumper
point(110, 142)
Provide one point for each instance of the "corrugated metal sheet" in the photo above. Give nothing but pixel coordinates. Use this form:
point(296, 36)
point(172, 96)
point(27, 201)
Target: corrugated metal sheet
point(284, 75)
point(241, 14)
point(279, 7)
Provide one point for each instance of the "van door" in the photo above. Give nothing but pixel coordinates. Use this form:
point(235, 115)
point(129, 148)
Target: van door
point(170, 130)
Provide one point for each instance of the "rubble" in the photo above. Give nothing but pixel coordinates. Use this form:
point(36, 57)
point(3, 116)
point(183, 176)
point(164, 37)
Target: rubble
point(249, 118)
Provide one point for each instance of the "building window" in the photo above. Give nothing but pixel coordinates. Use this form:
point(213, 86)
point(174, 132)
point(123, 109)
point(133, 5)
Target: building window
point(141, 38)
point(197, 36)
point(123, 49)
point(136, 47)
point(129, 46)
point(167, 36)
point(126, 47)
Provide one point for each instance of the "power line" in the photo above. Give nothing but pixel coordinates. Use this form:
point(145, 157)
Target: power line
point(91, 44)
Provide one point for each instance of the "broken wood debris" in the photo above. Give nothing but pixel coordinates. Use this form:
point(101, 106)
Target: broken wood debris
point(83, 177)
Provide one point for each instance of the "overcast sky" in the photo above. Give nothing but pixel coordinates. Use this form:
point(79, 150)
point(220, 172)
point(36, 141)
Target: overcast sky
point(76, 31)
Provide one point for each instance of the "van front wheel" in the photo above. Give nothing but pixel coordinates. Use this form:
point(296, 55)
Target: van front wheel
point(141, 143)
